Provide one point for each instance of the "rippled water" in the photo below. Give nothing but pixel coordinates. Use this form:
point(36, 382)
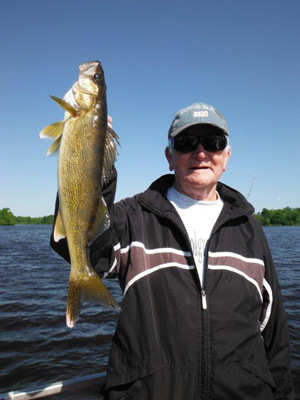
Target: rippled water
point(284, 243)
point(36, 347)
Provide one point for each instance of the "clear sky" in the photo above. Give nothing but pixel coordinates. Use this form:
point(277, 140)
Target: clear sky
point(158, 56)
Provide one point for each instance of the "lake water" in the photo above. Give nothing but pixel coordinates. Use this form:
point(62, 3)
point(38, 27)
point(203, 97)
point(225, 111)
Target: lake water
point(36, 347)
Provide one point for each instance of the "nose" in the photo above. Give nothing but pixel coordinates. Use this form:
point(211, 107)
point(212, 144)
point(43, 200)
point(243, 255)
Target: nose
point(200, 152)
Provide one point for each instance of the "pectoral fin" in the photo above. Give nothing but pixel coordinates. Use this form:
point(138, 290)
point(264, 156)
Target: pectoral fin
point(59, 230)
point(53, 149)
point(66, 106)
point(52, 131)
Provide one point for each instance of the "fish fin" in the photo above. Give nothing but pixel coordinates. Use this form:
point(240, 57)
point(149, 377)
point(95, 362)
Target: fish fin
point(101, 221)
point(90, 288)
point(66, 106)
point(52, 131)
point(53, 149)
point(59, 230)
point(110, 152)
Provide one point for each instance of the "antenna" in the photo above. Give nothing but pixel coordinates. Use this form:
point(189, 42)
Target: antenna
point(253, 180)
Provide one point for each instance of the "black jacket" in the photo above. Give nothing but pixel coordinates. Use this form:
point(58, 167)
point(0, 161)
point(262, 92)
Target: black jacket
point(168, 344)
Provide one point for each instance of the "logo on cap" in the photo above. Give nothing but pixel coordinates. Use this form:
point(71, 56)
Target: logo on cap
point(203, 114)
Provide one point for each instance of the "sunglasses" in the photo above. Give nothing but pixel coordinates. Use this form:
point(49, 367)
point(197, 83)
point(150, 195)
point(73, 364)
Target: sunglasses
point(188, 143)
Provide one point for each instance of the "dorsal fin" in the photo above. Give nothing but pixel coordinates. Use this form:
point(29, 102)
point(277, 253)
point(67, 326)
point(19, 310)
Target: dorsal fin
point(110, 153)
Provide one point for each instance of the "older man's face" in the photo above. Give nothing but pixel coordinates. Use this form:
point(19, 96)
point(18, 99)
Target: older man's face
point(197, 172)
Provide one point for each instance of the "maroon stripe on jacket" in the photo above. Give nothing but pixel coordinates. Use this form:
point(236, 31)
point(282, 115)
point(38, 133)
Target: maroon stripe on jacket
point(251, 267)
point(136, 259)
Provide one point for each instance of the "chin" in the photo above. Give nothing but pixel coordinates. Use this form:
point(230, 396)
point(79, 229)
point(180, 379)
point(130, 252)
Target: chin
point(201, 177)
point(198, 182)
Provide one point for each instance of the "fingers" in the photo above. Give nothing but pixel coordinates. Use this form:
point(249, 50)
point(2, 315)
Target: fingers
point(109, 121)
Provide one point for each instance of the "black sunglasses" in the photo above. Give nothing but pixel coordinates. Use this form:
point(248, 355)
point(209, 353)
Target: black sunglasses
point(188, 143)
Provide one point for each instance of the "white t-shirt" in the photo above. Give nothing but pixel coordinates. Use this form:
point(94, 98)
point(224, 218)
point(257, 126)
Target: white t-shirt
point(198, 218)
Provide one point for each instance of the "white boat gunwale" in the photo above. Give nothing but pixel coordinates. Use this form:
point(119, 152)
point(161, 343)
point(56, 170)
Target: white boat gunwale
point(94, 380)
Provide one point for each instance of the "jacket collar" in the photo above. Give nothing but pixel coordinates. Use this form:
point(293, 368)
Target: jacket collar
point(154, 198)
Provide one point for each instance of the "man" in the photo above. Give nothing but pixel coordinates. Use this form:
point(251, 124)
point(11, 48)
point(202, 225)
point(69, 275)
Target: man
point(202, 315)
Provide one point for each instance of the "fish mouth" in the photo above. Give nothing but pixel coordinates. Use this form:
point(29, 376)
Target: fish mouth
point(91, 78)
point(90, 67)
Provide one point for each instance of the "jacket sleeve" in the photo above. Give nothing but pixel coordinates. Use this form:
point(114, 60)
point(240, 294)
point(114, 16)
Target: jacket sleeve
point(275, 329)
point(101, 250)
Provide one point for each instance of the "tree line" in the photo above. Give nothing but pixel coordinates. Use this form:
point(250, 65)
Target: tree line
point(285, 216)
point(8, 218)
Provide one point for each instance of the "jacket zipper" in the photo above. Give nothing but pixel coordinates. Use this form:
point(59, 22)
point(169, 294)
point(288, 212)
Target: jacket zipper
point(204, 300)
point(205, 266)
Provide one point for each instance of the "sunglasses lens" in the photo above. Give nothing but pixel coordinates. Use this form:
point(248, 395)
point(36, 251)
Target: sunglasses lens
point(214, 143)
point(185, 144)
point(188, 143)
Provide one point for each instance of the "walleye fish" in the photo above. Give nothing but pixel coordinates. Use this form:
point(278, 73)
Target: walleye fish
point(87, 152)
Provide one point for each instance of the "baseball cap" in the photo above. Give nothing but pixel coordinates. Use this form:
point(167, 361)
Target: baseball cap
point(197, 113)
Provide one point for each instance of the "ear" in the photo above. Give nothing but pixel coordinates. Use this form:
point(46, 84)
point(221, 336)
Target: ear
point(169, 157)
point(226, 158)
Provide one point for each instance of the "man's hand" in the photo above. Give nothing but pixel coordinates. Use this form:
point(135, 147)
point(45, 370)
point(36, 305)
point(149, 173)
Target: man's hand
point(109, 121)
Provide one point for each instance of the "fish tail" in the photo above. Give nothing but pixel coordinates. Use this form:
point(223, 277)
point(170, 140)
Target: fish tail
point(74, 303)
point(89, 288)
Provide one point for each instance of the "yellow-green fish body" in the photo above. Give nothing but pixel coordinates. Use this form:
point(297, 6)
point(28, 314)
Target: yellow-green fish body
point(87, 151)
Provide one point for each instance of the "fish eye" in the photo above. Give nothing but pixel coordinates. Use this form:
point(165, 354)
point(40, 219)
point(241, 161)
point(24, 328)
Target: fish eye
point(97, 77)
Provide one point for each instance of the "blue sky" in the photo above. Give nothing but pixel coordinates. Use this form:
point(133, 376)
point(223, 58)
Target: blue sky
point(158, 56)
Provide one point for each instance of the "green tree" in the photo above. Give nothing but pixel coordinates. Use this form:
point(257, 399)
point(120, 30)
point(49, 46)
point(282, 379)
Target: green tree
point(285, 216)
point(6, 217)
